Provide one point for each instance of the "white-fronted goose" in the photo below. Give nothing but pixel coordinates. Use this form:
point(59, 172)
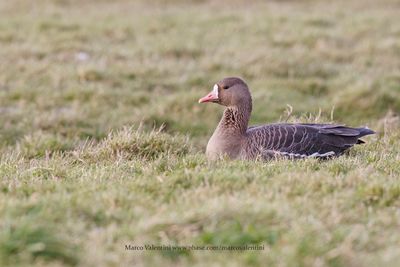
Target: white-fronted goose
point(235, 139)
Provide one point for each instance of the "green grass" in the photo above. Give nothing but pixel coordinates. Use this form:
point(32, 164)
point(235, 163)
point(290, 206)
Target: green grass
point(102, 139)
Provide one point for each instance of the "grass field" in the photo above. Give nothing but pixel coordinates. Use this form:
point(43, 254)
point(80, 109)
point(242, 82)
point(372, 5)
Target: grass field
point(102, 139)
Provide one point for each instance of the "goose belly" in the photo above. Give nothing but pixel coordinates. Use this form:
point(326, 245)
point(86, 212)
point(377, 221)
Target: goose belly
point(219, 147)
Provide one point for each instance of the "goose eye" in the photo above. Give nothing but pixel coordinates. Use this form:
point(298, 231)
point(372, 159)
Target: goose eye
point(225, 87)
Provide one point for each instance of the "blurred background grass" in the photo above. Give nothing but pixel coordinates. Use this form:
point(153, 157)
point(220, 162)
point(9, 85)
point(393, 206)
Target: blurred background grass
point(77, 69)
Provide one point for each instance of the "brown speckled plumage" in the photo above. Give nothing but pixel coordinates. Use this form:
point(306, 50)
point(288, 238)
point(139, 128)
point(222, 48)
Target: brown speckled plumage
point(234, 139)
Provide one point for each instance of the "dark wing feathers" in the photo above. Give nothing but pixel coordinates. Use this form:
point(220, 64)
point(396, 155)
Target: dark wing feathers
point(302, 140)
point(340, 131)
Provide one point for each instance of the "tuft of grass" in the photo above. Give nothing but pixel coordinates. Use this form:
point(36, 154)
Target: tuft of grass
point(129, 144)
point(40, 145)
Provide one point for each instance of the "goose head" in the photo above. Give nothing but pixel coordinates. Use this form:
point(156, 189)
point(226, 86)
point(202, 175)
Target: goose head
point(229, 92)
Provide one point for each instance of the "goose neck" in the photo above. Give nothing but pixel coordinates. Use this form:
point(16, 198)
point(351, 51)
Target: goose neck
point(235, 120)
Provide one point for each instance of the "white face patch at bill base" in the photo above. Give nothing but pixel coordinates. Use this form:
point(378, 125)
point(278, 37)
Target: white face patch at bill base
point(215, 90)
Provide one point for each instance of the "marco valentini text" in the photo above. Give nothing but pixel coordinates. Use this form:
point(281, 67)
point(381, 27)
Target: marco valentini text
point(192, 247)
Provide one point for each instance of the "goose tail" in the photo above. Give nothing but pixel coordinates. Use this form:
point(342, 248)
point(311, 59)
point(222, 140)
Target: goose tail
point(365, 131)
